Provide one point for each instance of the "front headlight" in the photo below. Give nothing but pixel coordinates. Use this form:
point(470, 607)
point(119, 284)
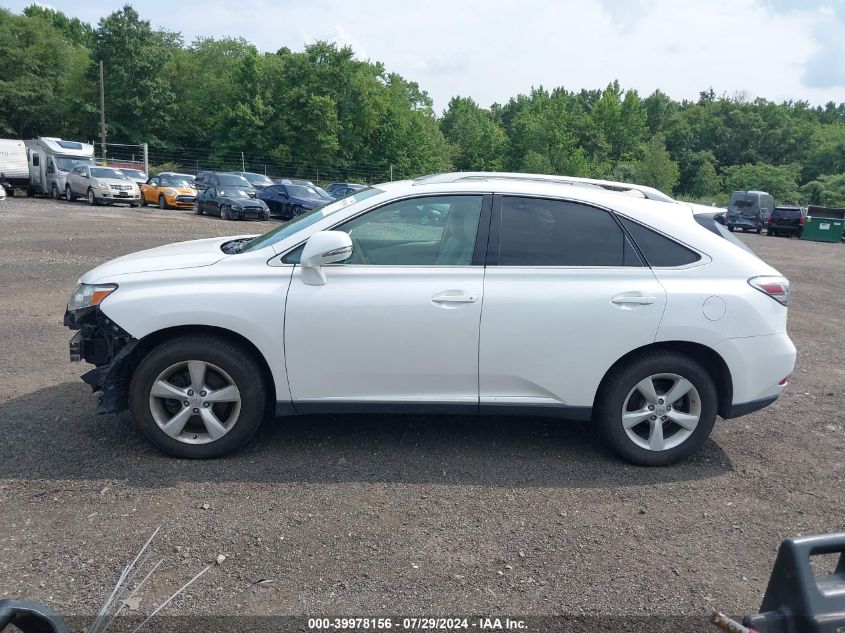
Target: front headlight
point(169, 192)
point(88, 295)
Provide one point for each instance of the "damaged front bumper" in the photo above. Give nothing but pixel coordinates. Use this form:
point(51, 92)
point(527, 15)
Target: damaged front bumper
point(106, 345)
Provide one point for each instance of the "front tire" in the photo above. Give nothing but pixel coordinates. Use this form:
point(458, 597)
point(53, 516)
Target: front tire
point(222, 384)
point(69, 194)
point(54, 192)
point(196, 208)
point(770, 232)
point(92, 198)
point(224, 212)
point(162, 202)
point(657, 409)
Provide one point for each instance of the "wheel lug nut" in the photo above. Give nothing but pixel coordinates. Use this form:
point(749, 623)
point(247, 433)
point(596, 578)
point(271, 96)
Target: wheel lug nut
point(187, 404)
point(206, 404)
point(190, 392)
point(654, 417)
point(651, 407)
point(202, 393)
point(659, 400)
point(196, 410)
point(663, 417)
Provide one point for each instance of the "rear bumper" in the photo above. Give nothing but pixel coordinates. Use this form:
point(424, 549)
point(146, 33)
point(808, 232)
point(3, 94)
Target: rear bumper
point(758, 366)
point(794, 230)
point(744, 408)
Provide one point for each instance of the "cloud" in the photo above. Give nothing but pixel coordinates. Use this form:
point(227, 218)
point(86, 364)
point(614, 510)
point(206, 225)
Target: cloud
point(826, 66)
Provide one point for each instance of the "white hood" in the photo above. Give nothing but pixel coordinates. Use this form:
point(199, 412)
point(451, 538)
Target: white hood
point(191, 254)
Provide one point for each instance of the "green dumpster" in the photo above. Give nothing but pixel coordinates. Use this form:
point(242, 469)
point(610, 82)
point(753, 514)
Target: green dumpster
point(824, 224)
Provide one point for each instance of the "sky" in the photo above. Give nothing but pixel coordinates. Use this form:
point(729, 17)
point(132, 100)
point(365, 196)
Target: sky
point(493, 50)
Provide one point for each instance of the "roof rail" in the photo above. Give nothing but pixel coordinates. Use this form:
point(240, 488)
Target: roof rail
point(608, 185)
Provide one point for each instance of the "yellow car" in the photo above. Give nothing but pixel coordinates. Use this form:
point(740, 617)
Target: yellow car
point(168, 192)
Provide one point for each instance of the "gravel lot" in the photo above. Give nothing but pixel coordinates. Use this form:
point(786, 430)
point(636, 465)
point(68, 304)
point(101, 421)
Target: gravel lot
point(393, 515)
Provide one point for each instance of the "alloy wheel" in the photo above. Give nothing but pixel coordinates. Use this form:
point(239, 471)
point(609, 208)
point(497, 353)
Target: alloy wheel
point(661, 412)
point(195, 402)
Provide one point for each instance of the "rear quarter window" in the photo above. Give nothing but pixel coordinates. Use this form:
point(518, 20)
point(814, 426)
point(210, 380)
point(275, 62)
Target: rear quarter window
point(659, 250)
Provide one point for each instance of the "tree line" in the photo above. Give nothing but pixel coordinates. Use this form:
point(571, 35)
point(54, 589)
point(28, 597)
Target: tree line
point(322, 109)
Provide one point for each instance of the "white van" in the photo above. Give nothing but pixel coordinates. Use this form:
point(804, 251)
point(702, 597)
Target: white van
point(51, 160)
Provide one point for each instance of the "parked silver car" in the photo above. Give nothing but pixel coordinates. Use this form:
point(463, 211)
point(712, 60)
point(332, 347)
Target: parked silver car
point(101, 185)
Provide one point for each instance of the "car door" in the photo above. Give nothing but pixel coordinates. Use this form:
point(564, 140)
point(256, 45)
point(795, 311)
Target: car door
point(566, 294)
point(397, 323)
point(209, 201)
point(150, 191)
point(80, 180)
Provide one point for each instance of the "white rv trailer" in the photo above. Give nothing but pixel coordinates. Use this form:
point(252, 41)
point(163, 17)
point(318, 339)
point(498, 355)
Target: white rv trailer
point(51, 159)
point(13, 169)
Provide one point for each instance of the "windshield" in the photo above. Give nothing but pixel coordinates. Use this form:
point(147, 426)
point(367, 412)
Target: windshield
point(323, 193)
point(63, 163)
point(232, 193)
point(105, 172)
point(305, 220)
point(232, 179)
point(174, 182)
point(302, 191)
point(134, 173)
point(258, 179)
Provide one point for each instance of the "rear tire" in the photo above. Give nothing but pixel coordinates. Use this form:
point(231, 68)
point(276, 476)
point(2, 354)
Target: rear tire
point(206, 431)
point(731, 228)
point(759, 230)
point(770, 232)
point(641, 443)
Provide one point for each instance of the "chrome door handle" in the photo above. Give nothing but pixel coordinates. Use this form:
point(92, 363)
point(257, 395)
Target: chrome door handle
point(454, 298)
point(635, 299)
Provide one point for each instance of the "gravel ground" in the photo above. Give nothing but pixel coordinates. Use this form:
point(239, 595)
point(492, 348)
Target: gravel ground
point(393, 515)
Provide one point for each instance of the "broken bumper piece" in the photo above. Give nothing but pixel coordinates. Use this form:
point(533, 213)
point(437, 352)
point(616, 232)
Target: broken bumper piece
point(106, 345)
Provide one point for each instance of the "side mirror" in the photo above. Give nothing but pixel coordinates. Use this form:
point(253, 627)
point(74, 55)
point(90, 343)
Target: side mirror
point(325, 247)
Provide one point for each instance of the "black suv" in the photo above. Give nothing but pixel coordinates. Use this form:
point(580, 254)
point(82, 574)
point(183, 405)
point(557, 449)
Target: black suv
point(206, 179)
point(787, 221)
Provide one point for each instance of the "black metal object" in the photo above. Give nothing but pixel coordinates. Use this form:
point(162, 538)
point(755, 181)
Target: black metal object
point(30, 617)
point(797, 600)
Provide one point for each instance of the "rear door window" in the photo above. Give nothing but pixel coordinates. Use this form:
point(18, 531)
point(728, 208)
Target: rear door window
point(543, 232)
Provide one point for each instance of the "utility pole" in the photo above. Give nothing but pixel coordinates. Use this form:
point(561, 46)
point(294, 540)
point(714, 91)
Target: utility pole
point(391, 172)
point(102, 113)
point(146, 158)
point(243, 165)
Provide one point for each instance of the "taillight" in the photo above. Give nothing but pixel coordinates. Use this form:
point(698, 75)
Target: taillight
point(775, 287)
point(800, 219)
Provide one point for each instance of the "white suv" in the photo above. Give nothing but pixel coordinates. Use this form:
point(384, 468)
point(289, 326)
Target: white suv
point(456, 293)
